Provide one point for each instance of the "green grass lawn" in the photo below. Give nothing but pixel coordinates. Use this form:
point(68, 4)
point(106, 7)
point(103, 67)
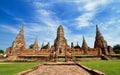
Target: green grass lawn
point(115, 54)
point(111, 67)
point(12, 68)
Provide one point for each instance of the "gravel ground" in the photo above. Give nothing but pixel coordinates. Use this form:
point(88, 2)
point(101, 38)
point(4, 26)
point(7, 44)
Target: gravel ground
point(59, 70)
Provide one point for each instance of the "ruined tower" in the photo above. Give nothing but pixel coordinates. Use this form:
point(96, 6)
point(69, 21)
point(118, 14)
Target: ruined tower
point(72, 45)
point(42, 46)
point(35, 46)
point(60, 43)
point(100, 43)
point(84, 46)
point(18, 44)
point(48, 45)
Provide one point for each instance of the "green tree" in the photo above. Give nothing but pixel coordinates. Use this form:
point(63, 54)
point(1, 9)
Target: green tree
point(116, 48)
point(1, 51)
point(77, 46)
point(31, 46)
point(45, 47)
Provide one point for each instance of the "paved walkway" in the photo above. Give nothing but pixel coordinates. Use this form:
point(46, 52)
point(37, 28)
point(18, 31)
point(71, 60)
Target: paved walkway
point(59, 70)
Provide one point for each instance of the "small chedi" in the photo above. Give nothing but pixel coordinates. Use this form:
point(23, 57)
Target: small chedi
point(60, 46)
point(84, 46)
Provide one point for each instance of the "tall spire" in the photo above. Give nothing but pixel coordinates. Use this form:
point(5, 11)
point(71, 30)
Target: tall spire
point(77, 43)
point(99, 38)
point(48, 45)
point(60, 43)
point(84, 46)
point(21, 33)
point(22, 28)
point(60, 31)
point(98, 33)
point(19, 43)
point(100, 42)
point(72, 45)
point(42, 45)
point(36, 44)
point(36, 41)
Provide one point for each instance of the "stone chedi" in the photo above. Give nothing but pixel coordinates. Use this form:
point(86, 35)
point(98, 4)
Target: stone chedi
point(100, 43)
point(60, 46)
point(18, 44)
point(60, 43)
point(42, 45)
point(35, 46)
point(84, 46)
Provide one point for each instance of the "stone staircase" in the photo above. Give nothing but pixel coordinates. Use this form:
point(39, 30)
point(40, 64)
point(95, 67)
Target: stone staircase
point(69, 57)
point(15, 58)
point(64, 57)
point(11, 58)
point(105, 57)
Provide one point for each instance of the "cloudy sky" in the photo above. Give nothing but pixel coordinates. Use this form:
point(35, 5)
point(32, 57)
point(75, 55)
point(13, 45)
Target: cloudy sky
point(42, 17)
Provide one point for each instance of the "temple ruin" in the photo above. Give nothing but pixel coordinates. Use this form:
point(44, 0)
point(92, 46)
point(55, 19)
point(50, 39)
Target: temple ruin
point(60, 46)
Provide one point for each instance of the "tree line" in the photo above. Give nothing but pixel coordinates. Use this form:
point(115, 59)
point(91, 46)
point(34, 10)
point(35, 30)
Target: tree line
point(116, 48)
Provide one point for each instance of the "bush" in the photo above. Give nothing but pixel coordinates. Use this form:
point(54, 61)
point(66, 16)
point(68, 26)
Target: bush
point(1, 51)
point(116, 48)
point(31, 46)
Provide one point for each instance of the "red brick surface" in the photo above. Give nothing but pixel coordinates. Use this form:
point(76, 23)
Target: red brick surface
point(59, 70)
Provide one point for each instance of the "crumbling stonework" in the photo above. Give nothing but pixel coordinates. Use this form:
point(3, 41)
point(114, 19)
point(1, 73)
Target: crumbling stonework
point(35, 46)
point(84, 46)
point(8, 51)
point(100, 43)
point(60, 43)
point(60, 46)
point(18, 44)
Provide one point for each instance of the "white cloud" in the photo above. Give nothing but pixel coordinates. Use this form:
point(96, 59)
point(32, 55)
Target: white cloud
point(94, 5)
point(39, 5)
point(74, 38)
point(84, 20)
point(48, 22)
point(89, 10)
point(46, 17)
point(9, 28)
point(45, 27)
point(19, 19)
point(111, 30)
point(7, 12)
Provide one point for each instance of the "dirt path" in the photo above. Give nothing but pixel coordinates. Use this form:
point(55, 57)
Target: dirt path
point(5, 63)
point(59, 70)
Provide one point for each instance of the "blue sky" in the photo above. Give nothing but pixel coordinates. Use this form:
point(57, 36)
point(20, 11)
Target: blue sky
point(42, 17)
